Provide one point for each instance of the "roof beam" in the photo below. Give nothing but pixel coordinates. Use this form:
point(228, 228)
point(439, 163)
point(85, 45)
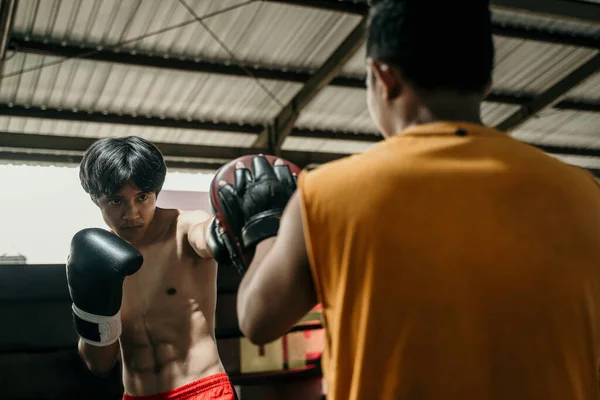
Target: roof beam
point(109, 118)
point(8, 9)
point(57, 158)
point(70, 159)
point(274, 135)
point(579, 10)
point(541, 35)
point(520, 99)
point(565, 9)
point(19, 155)
point(551, 96)
point(81, 144)
point(25, 157)
point(350, 7)
point(23, 141)
point(568, 151)
point(576, 105)
point(336, 135)
point(195, 65)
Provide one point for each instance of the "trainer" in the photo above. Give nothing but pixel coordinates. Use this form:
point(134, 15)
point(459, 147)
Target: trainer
point(452, 261)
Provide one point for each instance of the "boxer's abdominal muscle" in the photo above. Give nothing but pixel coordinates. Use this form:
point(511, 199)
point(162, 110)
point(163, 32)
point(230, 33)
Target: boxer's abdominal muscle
point(168, 315)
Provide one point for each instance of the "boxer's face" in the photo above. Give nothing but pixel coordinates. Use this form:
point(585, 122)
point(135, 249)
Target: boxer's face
point(129, 212)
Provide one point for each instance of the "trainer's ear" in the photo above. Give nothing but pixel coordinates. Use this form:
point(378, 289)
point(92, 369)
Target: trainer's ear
point(387, 81)
point(488, 89)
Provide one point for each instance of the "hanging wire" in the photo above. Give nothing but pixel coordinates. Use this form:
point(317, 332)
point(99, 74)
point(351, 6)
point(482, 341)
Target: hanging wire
point(231, 54)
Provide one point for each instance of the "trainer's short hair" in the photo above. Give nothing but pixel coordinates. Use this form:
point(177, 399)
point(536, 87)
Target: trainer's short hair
point(434, 44)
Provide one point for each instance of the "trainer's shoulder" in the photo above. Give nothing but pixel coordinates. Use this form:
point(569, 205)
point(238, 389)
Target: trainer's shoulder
point(588, 176)
point(562, 173)
point(336, 180)
point(350, 166)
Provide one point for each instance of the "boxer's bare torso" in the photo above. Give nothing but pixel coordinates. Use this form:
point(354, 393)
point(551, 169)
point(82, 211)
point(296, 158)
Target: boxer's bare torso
point(168, 311)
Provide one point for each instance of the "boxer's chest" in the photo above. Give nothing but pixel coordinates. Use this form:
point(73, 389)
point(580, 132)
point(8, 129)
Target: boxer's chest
point(149, 290)
point(165, 292)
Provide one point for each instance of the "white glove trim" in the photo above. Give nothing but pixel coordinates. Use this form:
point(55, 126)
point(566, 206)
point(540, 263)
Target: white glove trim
point(109, 328)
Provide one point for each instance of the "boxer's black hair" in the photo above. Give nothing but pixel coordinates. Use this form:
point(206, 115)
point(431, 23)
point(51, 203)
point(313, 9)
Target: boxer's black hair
point(434, 44)
point(111, 163)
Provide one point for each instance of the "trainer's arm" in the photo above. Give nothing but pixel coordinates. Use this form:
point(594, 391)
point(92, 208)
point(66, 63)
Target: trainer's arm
point(277, 290)
point(198, 222)
point(99, 360)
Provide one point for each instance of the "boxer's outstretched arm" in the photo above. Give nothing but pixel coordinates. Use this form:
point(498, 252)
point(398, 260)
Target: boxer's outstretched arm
point(99, 360)
point(198, 222)
point(277, 290)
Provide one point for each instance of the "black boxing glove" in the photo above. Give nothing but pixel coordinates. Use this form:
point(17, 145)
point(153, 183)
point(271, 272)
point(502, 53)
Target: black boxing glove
point(97, 265)
point(253, 206)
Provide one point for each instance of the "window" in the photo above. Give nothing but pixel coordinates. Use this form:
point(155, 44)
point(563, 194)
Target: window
point(42, 207)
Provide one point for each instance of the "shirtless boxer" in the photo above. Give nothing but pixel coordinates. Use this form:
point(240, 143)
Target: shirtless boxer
point(159, 315)
point(452, 261)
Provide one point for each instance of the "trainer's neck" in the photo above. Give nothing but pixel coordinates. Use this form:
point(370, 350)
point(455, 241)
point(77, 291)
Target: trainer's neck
point(442, 108)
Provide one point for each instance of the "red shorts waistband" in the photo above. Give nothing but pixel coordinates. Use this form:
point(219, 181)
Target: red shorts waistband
point(205, 388)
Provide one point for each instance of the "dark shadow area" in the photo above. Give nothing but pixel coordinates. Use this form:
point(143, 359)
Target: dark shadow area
point(39, 360)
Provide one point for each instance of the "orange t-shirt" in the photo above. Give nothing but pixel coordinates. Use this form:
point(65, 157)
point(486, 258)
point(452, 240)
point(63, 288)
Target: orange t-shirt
point(455, 262)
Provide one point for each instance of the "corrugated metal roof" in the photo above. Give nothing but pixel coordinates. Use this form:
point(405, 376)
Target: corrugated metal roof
point(98, 86)
point(562, 128)
point(588, 90)
point(356, 66)
point(260, 32)
point(270, 34)
point(585, 162)
point(534, 21)
point(526, 66)
point(296, 37)
point(520, 65)
point(494, 113)
point(338, 109)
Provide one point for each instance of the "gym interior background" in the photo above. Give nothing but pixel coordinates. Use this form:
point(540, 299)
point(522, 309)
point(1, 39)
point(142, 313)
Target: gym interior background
point(208, 81)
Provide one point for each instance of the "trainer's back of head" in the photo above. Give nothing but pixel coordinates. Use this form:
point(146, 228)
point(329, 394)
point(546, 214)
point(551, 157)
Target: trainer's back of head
point(111, 163)
point(435, 44)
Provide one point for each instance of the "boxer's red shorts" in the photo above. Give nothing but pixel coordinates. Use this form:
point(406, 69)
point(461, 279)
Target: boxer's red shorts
point(214, 387)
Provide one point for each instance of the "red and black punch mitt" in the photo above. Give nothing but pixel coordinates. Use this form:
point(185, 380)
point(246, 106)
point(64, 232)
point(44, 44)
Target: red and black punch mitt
point(247, 204)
